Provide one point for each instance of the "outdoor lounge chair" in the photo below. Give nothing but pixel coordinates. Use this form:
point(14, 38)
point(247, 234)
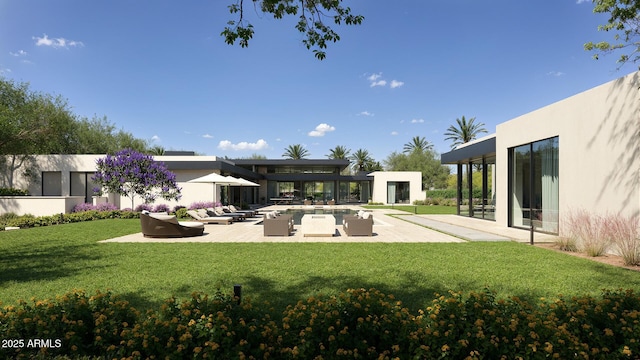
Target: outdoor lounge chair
point(358, 225)
point(203, 217)
point(167, 226)
point(219, 211)
point(277, 225)
point(249, 213)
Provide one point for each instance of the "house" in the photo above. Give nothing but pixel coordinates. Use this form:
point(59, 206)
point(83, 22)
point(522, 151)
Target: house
point(56, 183)
point(580, 153)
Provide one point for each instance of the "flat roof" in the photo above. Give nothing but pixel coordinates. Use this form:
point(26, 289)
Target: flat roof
point(473, 150)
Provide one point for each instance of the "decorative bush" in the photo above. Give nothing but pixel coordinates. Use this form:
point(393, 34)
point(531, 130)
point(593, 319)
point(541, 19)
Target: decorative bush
point(595, 234)
point(625, 236)
point(161, 208)
point(588, 231)
point(28, 221)
point(99, 207)
point(181, 212)
point(144, 207)
point(203, 205)
point(356, 324)
point(13, 192)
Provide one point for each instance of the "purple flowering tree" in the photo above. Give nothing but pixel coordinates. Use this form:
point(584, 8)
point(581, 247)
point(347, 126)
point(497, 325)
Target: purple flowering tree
point(130, 173)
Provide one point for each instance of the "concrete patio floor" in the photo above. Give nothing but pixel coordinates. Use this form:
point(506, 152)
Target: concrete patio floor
point(403, 228)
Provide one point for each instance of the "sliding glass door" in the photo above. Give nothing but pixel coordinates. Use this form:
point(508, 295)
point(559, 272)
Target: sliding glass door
point(534, 185)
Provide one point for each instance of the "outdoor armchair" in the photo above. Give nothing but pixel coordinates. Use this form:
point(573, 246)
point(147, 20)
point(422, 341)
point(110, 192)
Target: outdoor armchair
point(168, 226)
point(277, 225)
point(358, 225)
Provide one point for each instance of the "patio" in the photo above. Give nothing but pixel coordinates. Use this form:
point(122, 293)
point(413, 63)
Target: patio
point(408, 228)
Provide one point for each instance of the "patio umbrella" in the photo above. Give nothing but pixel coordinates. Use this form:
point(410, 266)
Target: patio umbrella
point(215, 179)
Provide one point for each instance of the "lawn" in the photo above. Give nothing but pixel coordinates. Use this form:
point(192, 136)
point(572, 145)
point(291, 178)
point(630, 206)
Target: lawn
point(48, 261)
point(418, 209)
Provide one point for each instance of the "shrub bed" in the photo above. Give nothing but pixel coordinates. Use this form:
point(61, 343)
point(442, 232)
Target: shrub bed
point(356, 324)
point(29, 221)
point(13, 192)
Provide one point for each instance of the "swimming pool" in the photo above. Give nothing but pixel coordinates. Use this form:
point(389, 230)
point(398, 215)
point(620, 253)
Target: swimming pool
point(337, 213)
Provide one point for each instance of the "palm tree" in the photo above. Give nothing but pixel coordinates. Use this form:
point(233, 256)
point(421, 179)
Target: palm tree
point(361, 160)
point(464, 132)
point(418, 143)
point(156, 150)
point(295, 152)
point(339, 152)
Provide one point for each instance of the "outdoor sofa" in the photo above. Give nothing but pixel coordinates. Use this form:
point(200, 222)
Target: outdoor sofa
point(360, 224)
point(275, 224)
point(161, 225)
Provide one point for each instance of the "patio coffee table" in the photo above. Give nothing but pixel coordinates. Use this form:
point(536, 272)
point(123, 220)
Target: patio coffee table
point(318, 225)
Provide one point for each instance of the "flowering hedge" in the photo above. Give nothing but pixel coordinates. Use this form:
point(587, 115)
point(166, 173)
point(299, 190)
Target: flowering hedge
point(356, 324)
point(29, 221)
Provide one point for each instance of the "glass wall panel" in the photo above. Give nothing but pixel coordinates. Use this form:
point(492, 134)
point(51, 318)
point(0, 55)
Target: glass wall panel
point(52, 183)
point(398, 192)
point(329, 190)
point(545, 153)
point(344, 192)
point(520, 192)
point(534, 185)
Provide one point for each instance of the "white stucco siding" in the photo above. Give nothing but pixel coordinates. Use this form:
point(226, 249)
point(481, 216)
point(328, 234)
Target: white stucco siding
point(599, 151)
point(382, 178)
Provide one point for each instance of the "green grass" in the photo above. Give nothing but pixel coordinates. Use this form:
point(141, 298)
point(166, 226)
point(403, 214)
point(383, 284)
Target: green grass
point(418, 209)
point(49, 261)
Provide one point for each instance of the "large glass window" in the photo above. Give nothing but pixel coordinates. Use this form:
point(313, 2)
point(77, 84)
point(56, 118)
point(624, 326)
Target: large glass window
point(476, 188)
point(534, 185)
point(81, 185)
point(51, 183)
point(354, 191)
point(398, 192)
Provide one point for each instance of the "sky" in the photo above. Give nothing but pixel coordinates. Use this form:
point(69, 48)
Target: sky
point(160, 70)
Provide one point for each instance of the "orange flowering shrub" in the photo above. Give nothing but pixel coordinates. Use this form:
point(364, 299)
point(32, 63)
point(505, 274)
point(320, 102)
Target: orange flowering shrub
point(355, 324)
point(358, 323)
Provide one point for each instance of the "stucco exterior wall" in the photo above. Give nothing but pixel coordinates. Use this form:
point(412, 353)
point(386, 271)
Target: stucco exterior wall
point(381, 178)
point(599, 149)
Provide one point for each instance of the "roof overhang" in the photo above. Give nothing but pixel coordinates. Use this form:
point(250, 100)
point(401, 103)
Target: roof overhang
point(476, 150)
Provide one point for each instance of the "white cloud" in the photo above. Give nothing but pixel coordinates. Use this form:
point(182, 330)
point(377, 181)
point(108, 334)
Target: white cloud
point(56, 42)
point(4, 70)
point(321, 129)
point(365, 113)
point(555, 73)
point(417, 121)
point(373, 80)
point(395, 83)
point(19, 53)
point(582, 1)
point(207, 136)
point(374, 77)
point(155, 138)
point(394, 133)
point(228, 145)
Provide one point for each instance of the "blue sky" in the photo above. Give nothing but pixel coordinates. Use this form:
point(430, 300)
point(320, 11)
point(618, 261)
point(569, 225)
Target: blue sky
point(160, 70)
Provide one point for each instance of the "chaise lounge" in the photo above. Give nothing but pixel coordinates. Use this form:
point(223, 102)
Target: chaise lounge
point(159, 225)
point(202, 216)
